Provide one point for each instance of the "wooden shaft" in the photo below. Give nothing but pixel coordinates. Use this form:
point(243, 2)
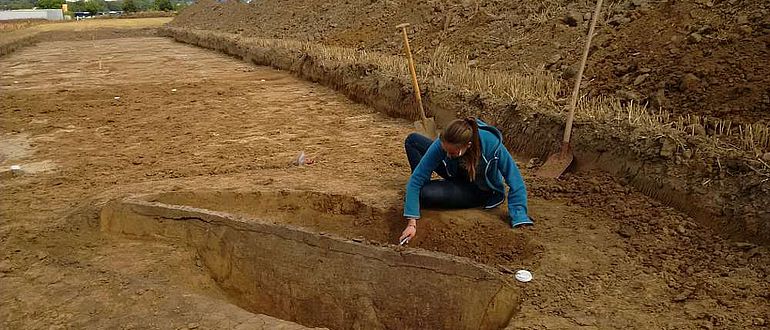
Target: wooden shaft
point(414, 75)
point(573, 101)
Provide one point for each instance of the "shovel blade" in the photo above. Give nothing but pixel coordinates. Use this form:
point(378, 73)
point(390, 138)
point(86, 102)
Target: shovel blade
point(426, 127)
point(556, 164)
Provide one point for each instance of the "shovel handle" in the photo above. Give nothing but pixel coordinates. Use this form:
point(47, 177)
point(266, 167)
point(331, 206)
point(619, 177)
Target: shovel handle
point(576, 89)
point(413, 72)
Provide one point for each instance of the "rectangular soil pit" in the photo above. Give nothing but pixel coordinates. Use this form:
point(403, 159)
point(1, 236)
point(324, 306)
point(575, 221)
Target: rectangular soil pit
point(321, 279)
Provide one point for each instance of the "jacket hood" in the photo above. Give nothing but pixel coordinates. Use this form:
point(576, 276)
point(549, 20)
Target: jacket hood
point(496, 143)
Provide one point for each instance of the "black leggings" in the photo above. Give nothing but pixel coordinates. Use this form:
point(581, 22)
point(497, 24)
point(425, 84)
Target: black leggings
point(456, 192)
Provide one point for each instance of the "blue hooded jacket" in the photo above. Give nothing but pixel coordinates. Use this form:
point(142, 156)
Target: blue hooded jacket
point(497, 163)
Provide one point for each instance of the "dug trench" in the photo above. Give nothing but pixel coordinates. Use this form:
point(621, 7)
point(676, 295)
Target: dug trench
point(325, 260)
point(721, 191)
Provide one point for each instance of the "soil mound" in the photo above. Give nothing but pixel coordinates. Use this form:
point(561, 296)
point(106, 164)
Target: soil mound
point(692, 57)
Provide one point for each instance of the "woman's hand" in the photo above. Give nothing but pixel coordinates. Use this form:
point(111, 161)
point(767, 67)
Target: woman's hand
point(409, 232)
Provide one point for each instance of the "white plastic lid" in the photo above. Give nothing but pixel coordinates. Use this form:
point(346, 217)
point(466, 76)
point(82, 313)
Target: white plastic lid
point(15, 167)
point(523, 275)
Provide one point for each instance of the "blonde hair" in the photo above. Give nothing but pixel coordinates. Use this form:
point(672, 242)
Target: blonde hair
point(460, 132)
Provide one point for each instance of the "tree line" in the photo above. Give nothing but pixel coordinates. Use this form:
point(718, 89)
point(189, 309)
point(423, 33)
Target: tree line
point(96, 6)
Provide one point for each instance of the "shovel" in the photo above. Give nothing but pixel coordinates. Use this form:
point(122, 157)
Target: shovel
point(425, 126)
point(557, 163)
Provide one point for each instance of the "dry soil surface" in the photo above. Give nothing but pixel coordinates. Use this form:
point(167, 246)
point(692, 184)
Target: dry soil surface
point(137, 115)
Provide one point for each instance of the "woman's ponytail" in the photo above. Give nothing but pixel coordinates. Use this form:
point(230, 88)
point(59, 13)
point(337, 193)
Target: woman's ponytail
point(472, 156)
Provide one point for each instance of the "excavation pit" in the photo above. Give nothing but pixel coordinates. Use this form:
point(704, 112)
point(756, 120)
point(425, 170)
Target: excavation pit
point(265, 250)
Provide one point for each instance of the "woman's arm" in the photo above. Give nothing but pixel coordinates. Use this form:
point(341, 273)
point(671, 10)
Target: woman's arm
point(420, 176)
point(517, 192)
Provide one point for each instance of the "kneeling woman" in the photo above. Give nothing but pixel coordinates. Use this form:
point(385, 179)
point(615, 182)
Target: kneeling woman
point(472, 161)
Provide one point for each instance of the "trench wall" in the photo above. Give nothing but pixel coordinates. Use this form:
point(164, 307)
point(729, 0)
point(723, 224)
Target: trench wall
point(323, 280)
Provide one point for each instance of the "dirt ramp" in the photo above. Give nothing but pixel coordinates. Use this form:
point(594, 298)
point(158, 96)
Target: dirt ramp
point(324, 280)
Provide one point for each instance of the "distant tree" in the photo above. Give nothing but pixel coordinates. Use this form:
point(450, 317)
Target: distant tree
point(49, 4)
point(129, 6)
point(164, 5)
point(142, 5)
point(96, 6)
point(16, 4)
point(114, 5)
point(78, 6)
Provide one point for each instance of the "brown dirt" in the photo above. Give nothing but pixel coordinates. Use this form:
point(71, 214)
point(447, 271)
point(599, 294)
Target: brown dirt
point(603, 255)
point(78, 30)
point(320, 278)
point(651, 164)
point(18, 24)
point(727, 57)
point(469, 234)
